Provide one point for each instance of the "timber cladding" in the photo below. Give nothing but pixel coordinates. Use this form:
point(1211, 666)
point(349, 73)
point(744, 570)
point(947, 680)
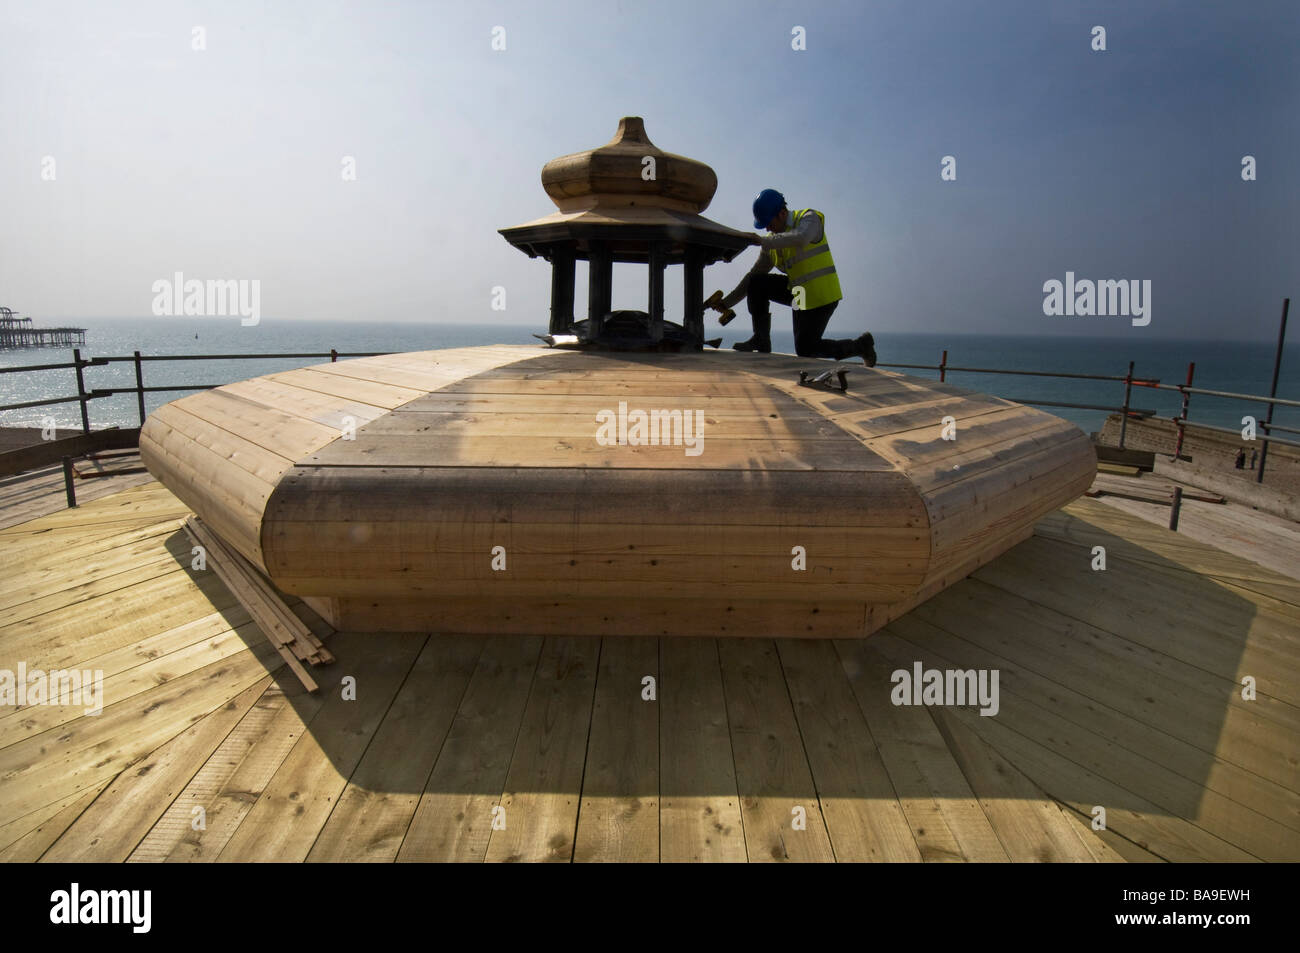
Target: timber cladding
point(531, 491)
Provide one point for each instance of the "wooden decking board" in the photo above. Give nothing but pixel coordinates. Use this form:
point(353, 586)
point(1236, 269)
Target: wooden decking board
point(1073, 696)
point(47, 582)
point(375, 810)
point(285, 821)
point(1189, 620)
point(58, 639)
point(50, 498)
point(945, 817)
point(1028, 824)
point(618, 818)
point(1219, 822)
point(1261, 538)
point(386, 396)
point(122, 815)
point(31, 846)
point(1192, 717)
point(1182, 784)
point(1150, 544)
point(232, 780)
point(54, 561)
point(312, 405)
point(544, 784)
point(858, 800)
point(35, 719)
point(773, 779)
point(699, 807)
point(114, 579)
point(72, 757)
point(454, 817)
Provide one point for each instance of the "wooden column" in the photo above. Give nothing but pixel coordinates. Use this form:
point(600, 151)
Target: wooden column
point(693, 322)
point(658, 262)
point(562, 263)
point(600, 282)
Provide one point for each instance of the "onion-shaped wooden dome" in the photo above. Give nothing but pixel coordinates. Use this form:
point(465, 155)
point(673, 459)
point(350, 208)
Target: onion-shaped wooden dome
point(627, 171)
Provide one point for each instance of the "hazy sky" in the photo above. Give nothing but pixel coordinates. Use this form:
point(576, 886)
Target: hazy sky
point(226, 162)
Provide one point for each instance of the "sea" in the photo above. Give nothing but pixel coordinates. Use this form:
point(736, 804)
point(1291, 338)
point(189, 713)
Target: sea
point(1240, 367)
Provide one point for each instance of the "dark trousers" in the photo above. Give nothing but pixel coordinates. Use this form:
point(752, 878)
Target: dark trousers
point(808, 325)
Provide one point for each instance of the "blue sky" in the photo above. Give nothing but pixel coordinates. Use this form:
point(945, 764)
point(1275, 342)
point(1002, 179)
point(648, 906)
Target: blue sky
point(225, 162)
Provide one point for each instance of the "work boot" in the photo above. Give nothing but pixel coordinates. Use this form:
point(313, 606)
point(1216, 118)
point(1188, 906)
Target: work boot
point(864, 346)
point(760, 344)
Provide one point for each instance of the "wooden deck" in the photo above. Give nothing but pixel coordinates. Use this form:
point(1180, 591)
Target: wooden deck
point(1119, 689)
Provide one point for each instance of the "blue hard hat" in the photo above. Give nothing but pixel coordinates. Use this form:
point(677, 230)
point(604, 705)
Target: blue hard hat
point(768, 203)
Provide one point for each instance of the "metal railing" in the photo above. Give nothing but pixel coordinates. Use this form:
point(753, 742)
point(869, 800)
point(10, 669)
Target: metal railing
point(84, 396)
point(1125, 410)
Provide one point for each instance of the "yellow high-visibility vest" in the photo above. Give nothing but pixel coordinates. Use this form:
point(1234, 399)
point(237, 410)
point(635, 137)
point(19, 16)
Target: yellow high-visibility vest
point(810, 267)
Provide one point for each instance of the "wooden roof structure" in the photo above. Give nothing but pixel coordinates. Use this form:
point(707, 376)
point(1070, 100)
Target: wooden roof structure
point(381, 489)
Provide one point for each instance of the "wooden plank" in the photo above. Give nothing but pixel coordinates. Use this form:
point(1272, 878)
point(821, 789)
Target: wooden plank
point(454, 817)
point(93, 749)
point(326, 409)
point(211, 431)
point(29, 848)
point(726, 411)
point(1130, 788)
point(42, 580)
point(118, 577)
point(438, 496)
point(373, 814)
point(1119, 469)
point(33, 720)
point(618, 821)
point(1029, 825)
point(580, 423)
point(233, 779)
point(19, 563)
point(543, 786)
point(772, 774)
point(232, 506)
point(1141, 541)
point(349, 388)
point(946, 819)
point(122, 815)
point(882, 546)
point(290, 813)
point(699, 811)
point(863, 816)
point(547, 451)
point(1194, 620)
point(55, 501)
point(285, 631)
point(1115, 848)
point(88, 630)
point(266, 426)
point(1187, 716)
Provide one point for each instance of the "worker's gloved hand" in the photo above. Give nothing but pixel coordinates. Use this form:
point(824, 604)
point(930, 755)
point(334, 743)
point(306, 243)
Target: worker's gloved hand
point(756, 239)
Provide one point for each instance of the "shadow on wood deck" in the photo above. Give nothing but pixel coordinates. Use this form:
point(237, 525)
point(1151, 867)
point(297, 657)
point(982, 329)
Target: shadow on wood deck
point(1119, 689)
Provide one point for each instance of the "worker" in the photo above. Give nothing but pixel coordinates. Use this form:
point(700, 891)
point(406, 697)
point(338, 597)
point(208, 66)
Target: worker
point(798, 247)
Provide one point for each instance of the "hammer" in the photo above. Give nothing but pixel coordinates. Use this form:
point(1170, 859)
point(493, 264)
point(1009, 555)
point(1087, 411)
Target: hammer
point(714, 299)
